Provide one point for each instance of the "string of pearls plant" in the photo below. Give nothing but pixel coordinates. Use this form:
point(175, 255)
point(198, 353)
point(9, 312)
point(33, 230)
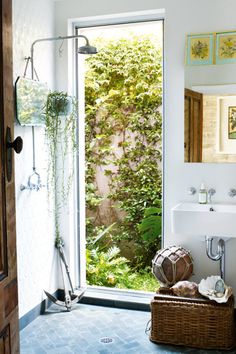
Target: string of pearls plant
point(60, 130)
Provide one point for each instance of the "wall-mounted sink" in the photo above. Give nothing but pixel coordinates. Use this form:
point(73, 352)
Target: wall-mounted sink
point(204, 219)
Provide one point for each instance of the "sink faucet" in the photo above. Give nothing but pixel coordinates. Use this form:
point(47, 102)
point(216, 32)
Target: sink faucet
point(192, 191)
point(232, 192)
point(210, 193)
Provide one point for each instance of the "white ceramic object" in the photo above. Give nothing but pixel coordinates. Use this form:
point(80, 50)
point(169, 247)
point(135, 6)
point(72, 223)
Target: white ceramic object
point(204, 219)
point(206, 287)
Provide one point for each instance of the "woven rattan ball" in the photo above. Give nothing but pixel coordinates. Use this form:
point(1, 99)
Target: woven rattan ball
point(172, 264)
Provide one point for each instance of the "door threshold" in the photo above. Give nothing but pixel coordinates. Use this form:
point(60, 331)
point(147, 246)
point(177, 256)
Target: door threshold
point(118, 298)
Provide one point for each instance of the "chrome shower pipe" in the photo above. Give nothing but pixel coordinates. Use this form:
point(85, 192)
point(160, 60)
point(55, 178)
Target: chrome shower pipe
point(219, 256)
point(49, 40)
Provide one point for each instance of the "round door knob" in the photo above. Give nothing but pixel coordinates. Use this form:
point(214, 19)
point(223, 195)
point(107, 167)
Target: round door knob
point(17, 144)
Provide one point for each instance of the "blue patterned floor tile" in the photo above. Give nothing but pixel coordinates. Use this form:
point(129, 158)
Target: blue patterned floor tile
point(80, 332)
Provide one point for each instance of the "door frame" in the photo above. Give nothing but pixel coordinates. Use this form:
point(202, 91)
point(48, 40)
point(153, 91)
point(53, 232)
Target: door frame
point(9, 323)
point(76, 87)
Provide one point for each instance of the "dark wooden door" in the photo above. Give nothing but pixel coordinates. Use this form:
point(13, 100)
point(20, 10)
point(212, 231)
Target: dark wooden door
point(193, 120)
point(9, 336)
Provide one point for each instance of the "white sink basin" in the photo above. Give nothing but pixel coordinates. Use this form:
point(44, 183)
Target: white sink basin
point(198, 219)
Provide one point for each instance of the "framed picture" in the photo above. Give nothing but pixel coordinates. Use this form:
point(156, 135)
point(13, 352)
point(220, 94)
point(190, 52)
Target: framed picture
point(232, 122)
point(200, 49)
point(226, 124)
point(31, 98)
point(225, 47)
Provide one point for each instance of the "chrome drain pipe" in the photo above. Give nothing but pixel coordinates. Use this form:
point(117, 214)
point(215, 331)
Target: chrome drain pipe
point(219, 256)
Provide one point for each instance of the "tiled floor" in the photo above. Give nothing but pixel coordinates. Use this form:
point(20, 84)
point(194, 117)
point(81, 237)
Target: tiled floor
point(81, 330)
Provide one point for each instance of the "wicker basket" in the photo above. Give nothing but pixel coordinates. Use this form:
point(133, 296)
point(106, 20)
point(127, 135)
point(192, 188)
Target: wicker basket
point(192, 322)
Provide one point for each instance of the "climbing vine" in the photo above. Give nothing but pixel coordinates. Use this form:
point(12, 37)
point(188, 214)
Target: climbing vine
point(123, 134)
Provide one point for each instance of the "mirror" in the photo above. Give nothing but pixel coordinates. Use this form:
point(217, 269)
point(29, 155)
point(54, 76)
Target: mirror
point(210, 113)
point(31, 97)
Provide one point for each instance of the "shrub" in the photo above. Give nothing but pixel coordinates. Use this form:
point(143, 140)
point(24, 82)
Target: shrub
point(123, 99)
point(108, 268)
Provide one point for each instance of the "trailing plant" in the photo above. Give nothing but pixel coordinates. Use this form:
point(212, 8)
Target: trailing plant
point(123, 99)
point(60, 130)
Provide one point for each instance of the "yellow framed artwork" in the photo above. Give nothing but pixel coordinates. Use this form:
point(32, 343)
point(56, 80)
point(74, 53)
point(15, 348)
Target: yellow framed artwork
point(226, 47)
point(200, 49)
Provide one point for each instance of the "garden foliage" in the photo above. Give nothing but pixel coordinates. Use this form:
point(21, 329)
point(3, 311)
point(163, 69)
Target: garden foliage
point(123, 102)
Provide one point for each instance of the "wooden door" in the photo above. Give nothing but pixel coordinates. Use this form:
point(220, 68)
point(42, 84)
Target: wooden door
point(193, 121)
point(9, 342)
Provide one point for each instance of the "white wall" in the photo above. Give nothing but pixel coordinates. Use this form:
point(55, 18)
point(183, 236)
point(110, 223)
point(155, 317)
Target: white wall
point(212, 75)
point(182, 17)
point(33, 19)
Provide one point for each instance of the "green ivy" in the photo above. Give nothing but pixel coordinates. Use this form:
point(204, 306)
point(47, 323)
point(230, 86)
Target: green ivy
point(123, 91)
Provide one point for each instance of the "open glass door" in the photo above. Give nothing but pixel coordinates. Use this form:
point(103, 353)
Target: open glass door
point(120, 158)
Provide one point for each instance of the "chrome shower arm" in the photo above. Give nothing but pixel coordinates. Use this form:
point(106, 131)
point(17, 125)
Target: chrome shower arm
point(49, 40)
point(87, 49)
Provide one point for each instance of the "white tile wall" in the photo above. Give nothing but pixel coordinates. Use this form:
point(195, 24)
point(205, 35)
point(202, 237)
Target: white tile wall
point(37, 269)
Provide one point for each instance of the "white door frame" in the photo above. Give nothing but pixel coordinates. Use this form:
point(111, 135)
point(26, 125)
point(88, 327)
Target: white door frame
point(75, 66)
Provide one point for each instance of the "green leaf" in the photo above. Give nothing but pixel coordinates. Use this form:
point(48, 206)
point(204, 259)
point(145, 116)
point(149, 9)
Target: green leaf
point(150, 227)
point(152, 211)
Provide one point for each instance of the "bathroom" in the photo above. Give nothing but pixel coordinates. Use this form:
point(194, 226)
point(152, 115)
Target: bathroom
point(36, 256)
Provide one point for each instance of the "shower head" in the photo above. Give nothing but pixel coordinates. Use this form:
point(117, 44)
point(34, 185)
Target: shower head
point(87, 49)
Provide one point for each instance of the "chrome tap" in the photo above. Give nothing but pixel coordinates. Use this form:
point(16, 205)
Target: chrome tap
point(192, 191)
point(232, 192)
point(210, 193)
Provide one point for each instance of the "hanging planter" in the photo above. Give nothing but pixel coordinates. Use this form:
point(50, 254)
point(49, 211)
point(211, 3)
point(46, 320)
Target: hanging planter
point(60, 129)
point(60, 103)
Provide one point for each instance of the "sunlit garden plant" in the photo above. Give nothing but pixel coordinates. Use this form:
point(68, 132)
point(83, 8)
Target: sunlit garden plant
point(123, 102)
